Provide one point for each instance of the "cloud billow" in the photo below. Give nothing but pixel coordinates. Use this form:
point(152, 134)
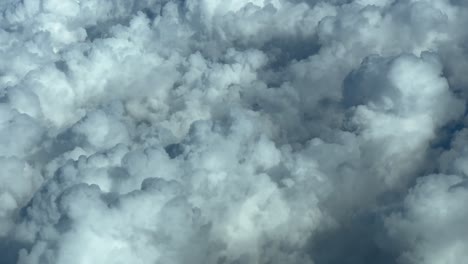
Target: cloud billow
point(240, 131)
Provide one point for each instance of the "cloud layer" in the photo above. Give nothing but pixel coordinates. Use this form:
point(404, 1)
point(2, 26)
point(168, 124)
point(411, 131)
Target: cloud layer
point(239, 131)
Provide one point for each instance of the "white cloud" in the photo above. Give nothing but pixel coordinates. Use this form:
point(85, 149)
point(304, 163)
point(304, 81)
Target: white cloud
point(431, 226)
point(232, 131)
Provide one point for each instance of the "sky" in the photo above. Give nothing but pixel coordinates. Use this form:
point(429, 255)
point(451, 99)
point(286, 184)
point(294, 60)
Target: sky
point(233, 131)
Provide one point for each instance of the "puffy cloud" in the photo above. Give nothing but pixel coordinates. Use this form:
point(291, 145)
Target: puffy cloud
point(240, 131)
point(430, 227)
point(18, 181)
point(20, 133)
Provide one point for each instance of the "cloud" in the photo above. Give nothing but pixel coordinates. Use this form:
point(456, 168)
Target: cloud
point(430, 227)
point(241, 131)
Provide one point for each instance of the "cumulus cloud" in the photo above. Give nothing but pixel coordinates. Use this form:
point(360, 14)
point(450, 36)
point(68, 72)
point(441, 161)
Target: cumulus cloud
point(240, 131)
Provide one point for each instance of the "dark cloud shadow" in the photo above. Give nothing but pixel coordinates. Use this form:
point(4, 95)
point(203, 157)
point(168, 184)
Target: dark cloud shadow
point(359, 240)
point(9, 250)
